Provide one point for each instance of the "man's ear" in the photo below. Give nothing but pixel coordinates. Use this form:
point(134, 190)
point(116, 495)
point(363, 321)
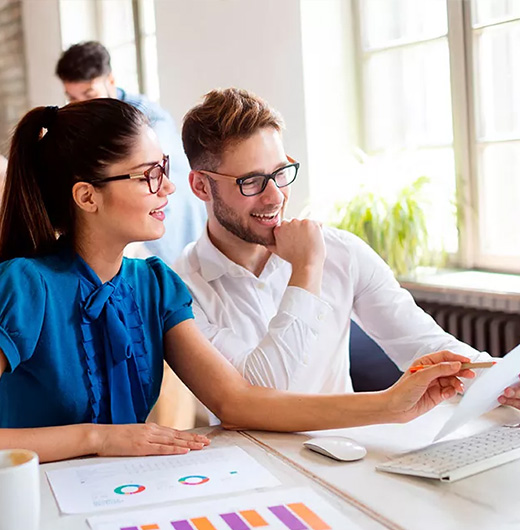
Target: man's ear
point(111, 80)
point(200, 185)
point(85, 197)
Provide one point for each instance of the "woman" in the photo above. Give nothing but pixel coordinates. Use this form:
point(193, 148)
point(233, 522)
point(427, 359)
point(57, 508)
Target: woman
point(83, 331)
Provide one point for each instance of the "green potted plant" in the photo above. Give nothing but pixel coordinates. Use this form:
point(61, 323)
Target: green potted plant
point(394, 228)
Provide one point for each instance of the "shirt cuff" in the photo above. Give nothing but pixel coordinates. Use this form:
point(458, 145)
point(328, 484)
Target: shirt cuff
point(10, 350)
point(305, 306)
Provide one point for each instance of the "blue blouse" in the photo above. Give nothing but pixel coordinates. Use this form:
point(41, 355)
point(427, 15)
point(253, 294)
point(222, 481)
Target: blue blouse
point(78, 350)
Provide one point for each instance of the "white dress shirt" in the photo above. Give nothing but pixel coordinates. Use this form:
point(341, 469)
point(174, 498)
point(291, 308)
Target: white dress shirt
point(287, 338)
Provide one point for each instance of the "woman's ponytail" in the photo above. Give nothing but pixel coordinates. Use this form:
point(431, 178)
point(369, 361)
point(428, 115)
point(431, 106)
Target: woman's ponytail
point(25, 227)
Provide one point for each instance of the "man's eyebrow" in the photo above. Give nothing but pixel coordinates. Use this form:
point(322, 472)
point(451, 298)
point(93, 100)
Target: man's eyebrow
point(260, 173)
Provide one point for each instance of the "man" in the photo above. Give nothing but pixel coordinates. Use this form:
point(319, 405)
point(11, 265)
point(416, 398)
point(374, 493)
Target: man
point(85, 72)
point(276, 297)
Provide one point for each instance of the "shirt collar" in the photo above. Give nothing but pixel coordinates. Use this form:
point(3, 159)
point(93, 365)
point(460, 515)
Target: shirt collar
point(214, 264)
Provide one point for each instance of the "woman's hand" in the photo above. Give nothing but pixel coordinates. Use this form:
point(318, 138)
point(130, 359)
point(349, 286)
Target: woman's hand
point(417, 393)
point(143, 439)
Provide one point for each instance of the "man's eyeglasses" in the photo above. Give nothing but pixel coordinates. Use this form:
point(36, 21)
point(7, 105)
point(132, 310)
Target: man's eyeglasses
point(256, 184)
point(153, 175)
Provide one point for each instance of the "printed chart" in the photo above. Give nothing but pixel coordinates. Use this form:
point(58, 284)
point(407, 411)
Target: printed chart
point(137, 482)
point(290, 509)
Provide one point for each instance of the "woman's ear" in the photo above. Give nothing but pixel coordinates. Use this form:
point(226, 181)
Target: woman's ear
point(200, 185)
point(85, 196)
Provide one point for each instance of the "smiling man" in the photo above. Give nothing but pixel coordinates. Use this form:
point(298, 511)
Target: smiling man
point(276, 297)
point(86, 73)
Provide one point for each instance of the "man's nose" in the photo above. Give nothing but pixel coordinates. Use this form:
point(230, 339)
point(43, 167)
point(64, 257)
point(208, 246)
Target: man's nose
point(272, 193)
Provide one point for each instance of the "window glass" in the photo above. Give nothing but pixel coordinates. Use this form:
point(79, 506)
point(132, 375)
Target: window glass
point(407, 97)
point(491, 11)
point(499, 193)
point(497, 80)
point(388, 22)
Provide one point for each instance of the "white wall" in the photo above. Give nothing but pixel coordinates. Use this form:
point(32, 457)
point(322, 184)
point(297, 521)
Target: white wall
point(251, 44)
point(42, 39)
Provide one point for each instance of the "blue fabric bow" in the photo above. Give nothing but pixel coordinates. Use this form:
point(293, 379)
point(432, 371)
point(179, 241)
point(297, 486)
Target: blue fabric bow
point(127, 397)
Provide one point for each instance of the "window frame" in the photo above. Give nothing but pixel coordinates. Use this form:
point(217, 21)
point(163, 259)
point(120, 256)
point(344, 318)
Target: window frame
point(466, 145)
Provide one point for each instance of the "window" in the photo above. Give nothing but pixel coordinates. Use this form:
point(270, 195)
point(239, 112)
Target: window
point(440, 88)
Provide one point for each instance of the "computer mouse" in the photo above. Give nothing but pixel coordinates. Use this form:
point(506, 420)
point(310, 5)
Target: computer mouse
point(337, 447)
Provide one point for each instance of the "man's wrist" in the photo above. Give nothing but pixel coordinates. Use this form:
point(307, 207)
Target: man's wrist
point(307, 277)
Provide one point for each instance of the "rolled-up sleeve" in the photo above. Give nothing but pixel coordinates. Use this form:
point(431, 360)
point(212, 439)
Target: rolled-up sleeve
point(22, 307)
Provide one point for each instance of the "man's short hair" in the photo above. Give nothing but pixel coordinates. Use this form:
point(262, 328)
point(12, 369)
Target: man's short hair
point(225, 116)
point(83, 62)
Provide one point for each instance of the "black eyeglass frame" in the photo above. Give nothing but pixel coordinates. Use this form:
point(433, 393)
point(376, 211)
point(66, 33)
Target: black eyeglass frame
point(164, 166)
point(267, 177)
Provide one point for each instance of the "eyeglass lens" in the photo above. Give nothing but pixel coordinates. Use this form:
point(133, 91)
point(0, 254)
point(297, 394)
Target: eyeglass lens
point(256, 184)
point(156, 174)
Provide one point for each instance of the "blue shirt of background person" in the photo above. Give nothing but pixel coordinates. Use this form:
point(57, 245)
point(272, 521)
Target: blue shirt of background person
point(100, 345)
point(86, 73)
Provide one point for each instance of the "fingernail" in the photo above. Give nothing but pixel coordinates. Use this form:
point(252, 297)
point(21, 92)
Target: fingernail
point(454, 365)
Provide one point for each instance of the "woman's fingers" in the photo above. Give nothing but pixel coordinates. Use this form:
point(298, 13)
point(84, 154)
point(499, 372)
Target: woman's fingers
point(452, 382)
point(441, 356)
point(167, 436)
point(167, 439)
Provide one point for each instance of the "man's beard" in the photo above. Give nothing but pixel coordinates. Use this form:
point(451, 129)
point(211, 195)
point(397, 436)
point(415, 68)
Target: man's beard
point(231, 221)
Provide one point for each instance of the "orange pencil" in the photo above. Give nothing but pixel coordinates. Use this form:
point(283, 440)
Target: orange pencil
point(464, 366)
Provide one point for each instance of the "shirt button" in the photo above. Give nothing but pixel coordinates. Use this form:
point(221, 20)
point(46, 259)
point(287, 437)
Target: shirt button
point(261, 286)
point(321, 316)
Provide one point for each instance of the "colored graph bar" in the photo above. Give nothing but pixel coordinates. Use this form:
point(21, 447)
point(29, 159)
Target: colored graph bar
point(234, 522)
point(130, 528)
point(254, 518)
point(150, 527)
point(181, 525)
point(287, 518)
point(303, 511)
point(202, 523)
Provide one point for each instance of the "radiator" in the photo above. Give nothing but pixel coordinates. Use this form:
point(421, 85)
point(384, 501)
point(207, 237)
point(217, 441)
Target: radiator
point(492, 331)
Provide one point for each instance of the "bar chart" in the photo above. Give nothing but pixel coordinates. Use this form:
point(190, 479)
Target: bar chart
point(287, 509)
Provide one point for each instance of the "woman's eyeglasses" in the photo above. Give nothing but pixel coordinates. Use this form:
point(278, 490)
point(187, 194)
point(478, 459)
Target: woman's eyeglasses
point(153, 175)
point(256, 184)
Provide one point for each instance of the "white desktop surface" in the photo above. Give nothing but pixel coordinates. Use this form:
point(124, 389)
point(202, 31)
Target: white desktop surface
point(489, 500)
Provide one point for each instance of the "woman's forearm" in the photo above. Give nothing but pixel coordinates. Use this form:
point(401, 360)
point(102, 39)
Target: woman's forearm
point(266, 409)
point(53, 443)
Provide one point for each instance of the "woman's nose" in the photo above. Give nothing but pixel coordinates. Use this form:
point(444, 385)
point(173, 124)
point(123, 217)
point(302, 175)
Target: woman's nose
point(168, 187)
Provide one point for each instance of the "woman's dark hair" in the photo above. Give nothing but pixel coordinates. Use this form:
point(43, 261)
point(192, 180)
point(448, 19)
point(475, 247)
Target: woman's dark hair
point(80, 141)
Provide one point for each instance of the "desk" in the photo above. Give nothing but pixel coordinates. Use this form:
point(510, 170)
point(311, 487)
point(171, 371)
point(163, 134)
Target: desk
point(488, 500)
point(373, 500)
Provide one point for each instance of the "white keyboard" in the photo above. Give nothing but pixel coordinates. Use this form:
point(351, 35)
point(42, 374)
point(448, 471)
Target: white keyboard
point(456, 459)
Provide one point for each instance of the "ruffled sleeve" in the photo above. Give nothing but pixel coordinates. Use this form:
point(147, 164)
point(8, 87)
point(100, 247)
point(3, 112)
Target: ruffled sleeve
point(22, 306)
point(175, 303)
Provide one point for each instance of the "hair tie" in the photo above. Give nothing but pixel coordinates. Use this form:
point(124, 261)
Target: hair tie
point(49, 117)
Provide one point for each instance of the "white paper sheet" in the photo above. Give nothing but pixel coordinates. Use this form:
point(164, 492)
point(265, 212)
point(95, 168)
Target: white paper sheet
point(133, 482)
point(483, 394)
point(233, 514)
